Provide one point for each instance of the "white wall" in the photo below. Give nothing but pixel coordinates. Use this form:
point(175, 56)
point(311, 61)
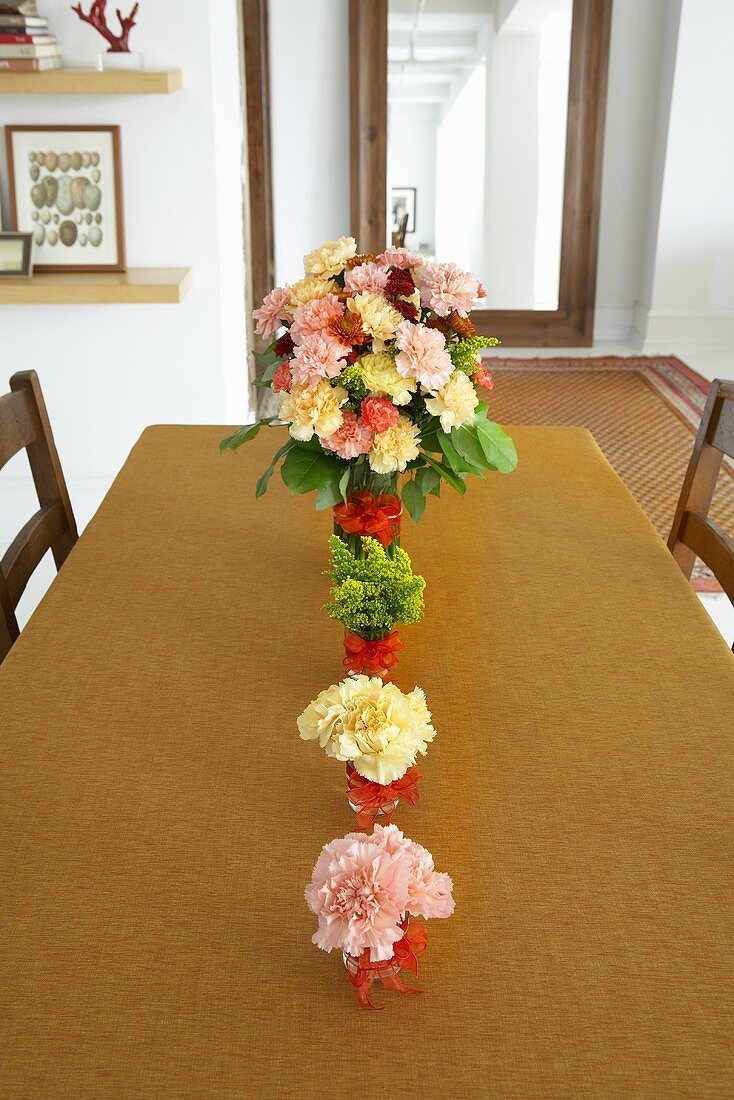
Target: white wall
point(108, 371)
point(692, 291)
point(309, 103)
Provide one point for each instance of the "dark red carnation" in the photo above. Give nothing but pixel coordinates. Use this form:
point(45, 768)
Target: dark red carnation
point(406, 308)
point(399, 283)
point(284, 346)
point(353, 356)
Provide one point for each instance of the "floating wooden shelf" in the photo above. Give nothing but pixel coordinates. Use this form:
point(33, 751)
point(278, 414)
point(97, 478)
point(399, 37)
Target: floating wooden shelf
point(137, 285)
point(91, 82)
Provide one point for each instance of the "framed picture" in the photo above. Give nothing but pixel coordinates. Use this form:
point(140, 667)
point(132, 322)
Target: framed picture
point(402, 202)
point(16, 255)
point(66, 189)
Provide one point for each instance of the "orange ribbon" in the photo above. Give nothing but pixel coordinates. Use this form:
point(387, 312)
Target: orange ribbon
point(373, 798)
point(405, 955)
point(367, 514)
point(375, 658)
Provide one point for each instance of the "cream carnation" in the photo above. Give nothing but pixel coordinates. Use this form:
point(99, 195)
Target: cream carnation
point(380, 377)
point(313, 410)
point(394, 449)
point(331, 257)
point(374, 725)
point(454, 403)
point(305, 290)
point(378, 317)
point(423, 355)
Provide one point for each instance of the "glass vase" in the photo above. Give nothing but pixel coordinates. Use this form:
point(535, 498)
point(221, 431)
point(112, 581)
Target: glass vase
point(372, 508)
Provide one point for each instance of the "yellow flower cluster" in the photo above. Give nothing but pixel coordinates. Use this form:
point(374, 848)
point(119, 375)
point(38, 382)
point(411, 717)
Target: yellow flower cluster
point(374, 725)
point(331, 257)
point(380, 377)
point(313, 409)
point(394, 449)
point(379, 318)
point(454, 403)
point(305, 290)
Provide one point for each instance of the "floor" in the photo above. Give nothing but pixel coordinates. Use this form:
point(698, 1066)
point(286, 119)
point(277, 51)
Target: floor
point(710, 362)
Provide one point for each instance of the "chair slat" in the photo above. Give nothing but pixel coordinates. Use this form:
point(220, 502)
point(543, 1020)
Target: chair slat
point(18, 427)
point(712, 545)
point(24, 424)
point(35, 538)
point(722, 436)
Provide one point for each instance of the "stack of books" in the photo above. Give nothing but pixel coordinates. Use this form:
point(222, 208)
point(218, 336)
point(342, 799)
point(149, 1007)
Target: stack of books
point(25, 42)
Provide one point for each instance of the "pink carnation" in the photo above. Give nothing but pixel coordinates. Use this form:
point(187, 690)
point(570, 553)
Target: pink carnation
point(423, 355)
point(318, 357)
point(368, 278)
point(429, 891)
point(359, 892)
point(271, 314)
point(445, 287)
point(352, 439)
point(379, 413)
point(400, 257)
point(282, 379)
point(314, 316)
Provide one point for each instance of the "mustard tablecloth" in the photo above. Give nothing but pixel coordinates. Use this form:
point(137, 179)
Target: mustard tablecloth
point(160, 816)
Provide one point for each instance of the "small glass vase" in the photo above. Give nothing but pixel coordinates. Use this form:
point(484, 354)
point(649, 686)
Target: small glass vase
point(385, 809)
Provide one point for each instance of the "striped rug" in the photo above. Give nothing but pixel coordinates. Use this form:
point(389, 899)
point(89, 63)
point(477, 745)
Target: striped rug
point(643, 412)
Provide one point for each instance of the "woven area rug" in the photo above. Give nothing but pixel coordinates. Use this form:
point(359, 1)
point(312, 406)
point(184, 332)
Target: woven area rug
point(643, 412)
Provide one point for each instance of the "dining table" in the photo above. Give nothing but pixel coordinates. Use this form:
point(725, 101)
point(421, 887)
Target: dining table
point(160, 816)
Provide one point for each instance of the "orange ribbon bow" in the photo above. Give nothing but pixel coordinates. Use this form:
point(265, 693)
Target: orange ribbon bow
point(363, 973)
point(367, 514)
point(376, 658)
point(373, 798)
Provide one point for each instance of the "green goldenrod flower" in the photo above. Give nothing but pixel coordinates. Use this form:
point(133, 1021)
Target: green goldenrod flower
point(464, 352)
point(371, 594)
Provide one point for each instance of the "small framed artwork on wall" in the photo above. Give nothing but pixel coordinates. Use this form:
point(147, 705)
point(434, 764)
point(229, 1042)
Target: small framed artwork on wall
point(15, 255)
point(402, 202)
point(66, 189)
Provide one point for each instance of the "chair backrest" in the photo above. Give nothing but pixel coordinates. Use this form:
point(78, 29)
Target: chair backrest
point(24, 423)
point(693, 533)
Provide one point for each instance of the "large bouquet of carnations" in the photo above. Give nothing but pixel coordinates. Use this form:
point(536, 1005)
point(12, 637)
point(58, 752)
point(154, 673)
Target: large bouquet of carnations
point(378, 371)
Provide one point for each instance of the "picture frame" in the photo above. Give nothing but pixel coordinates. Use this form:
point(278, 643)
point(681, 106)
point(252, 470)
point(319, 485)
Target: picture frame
point(65, 187)
point(403, 201)
point(16, 255)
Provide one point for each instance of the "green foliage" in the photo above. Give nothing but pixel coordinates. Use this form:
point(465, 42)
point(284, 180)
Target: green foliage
point(306, 469)
point(371, 594)
point(464, 352)
point(243, 435)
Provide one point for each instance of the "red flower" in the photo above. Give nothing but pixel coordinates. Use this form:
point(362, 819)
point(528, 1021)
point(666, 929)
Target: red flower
point(483, 378)
point(406, 308)
point(379, 413)
point(284, 346)
point(399, 283)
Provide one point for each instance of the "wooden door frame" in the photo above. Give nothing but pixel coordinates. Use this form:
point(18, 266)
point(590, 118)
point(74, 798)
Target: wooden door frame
point(259, 201)
point(572, 324)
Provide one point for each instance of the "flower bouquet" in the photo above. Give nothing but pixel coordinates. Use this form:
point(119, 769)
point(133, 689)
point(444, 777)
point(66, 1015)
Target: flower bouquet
point(363, 890)
point(378, 732)
point(378, 371)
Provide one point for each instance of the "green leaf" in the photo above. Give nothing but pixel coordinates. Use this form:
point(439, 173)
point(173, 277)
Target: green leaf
point(467, 443)
point(458, 464)
point(305, 470)
point(413, 500)
point(497, 446)
point(428, 481)
point(447, 474)
point(344, 483)
point(243, 435)
point(262, 481)
point(267, 355)
point(330, 494)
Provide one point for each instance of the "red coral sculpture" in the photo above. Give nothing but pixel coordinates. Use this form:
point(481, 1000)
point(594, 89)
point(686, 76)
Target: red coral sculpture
point(97, 18)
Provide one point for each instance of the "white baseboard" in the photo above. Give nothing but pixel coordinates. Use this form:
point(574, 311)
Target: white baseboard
point(657, 328)
point(613, 324)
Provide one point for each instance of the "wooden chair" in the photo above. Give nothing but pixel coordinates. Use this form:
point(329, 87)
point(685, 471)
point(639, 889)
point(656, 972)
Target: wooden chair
point(693, 533)
point(24, 423)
